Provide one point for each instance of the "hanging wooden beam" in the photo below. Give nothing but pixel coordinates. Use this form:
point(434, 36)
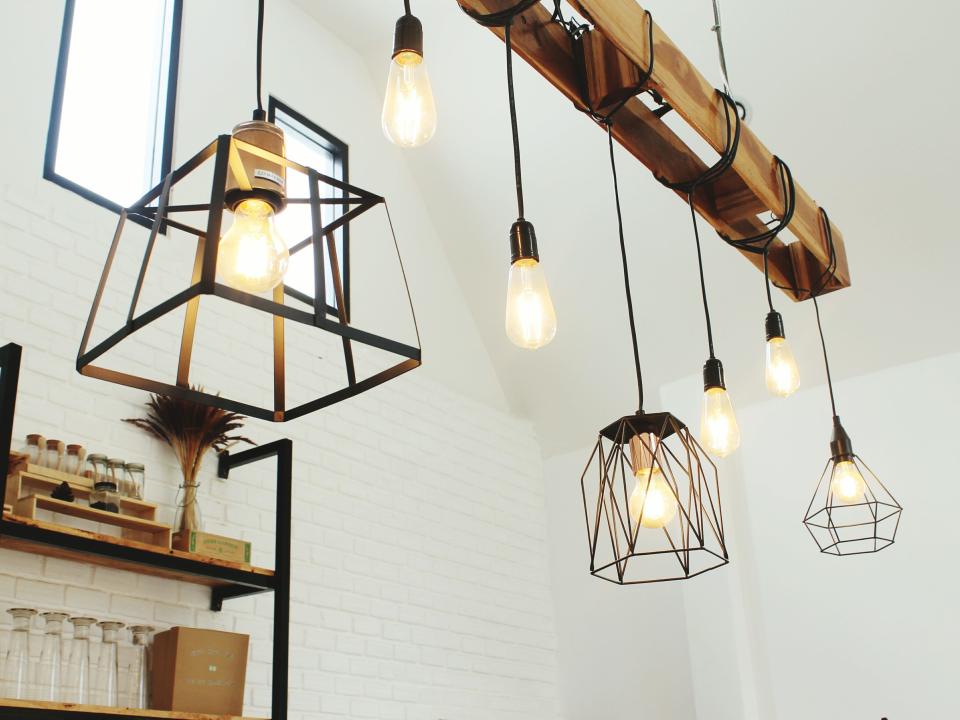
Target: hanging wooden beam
point(617, 52)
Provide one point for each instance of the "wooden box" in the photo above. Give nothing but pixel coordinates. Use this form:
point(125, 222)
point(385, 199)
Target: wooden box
point(214, 546)
point(200, 671)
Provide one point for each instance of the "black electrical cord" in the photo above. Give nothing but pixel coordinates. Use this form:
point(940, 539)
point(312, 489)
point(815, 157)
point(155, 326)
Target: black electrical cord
point(503, 17)
point(513, 121)
point(826, 360)
point(703, 283)
point(260, 114)
point(626, 272)
point(406, 7)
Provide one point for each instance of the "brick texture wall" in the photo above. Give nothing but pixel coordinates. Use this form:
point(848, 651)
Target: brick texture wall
point(420, 585)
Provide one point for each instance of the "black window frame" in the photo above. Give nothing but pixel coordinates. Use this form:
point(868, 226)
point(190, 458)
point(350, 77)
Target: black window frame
point(56, 110)
point(341, 153)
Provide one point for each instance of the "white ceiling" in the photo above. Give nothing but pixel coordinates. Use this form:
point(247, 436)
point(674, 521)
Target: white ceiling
point(857, 96)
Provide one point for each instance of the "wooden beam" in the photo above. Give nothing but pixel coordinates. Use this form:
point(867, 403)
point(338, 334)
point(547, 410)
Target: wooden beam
point(731, 205)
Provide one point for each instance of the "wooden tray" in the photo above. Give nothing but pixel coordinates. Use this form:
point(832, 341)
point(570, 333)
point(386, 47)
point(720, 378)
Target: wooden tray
point(154, 533)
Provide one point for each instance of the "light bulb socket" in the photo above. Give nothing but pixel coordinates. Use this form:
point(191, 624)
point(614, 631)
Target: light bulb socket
point(523, 242)
point(408, 36)
point(841, 449)
point(774, 325)
point(713, 375)
point(266, 178)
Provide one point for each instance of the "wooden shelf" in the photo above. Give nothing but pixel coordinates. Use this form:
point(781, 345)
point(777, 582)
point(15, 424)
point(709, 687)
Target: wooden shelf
point(159, 533)
point(227, 579)
point(40, 710)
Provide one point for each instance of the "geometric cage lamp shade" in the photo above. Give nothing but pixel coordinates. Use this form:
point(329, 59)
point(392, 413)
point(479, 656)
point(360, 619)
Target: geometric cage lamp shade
point(237, 167)
point(651, 502)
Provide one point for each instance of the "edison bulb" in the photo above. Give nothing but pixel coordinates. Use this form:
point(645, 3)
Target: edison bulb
point(719, 431)
point(531, 320)
point(847, 483)
point(252, 257)
point(409, 112)
point(652, 502)
point(783, 376)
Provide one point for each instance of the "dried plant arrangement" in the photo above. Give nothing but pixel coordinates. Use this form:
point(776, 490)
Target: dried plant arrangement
point(191, 430)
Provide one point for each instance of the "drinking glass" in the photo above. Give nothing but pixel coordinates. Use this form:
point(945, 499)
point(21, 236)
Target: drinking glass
point(110, 662)
point(17, 667)
point(77, 684)
point(49, 681)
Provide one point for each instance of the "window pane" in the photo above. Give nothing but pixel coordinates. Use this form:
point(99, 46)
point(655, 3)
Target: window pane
point(308, 148)
point(114, 100)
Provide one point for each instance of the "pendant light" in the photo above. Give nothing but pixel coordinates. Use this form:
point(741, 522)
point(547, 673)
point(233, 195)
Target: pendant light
point(531, 321)
point(851, 511)
point(409, 116)
point(246, 267)
point(651, 499)
point(719, 431)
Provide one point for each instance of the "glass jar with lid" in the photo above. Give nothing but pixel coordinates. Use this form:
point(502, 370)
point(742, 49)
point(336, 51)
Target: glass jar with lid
point(34, 448)
point(53, 455)
point(75, 460)
point(135, 478)
point(97, 467)
point(105, 496)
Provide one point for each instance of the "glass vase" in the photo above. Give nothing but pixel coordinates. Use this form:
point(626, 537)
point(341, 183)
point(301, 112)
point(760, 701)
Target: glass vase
point(49, 681)
point(140, 670)
point(17, 665)
point(110, 662)
point(77, 680)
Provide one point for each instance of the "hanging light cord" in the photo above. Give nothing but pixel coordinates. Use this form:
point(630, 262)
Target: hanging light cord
point(703, 283)
point(406, 7)
point(260, 12)
point(513, 120)
point(717, 29)
point(826, 361)
point(626, 272)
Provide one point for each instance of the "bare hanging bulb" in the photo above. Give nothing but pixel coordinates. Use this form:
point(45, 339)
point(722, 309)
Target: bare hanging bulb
point(409, 116)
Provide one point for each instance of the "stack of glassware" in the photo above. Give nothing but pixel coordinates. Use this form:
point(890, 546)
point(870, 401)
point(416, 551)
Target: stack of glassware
point(89, 674)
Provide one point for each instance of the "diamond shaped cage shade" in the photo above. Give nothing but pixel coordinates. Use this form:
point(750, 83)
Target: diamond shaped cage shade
point(651, 503)
point(235, 346)
point(851, 512)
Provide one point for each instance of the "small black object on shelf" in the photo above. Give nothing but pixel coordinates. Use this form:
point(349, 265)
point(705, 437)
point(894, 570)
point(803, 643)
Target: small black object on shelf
point(63, 492)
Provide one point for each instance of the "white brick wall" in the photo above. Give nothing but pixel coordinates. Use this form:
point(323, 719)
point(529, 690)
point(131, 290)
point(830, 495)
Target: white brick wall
point(420, 587)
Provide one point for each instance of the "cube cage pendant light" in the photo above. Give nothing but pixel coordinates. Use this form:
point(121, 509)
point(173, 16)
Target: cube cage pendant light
point(233, 162)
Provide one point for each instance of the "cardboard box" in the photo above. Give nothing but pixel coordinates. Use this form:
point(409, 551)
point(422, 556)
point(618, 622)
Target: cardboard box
point(199, 671)
point(215, 546)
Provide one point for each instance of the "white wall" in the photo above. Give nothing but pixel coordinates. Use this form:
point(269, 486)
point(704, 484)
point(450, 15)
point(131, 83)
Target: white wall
point(420, 579)
point(813, 635)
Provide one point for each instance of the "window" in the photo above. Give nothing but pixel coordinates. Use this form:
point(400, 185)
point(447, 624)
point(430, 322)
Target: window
point(111, 125)
point(310, 145)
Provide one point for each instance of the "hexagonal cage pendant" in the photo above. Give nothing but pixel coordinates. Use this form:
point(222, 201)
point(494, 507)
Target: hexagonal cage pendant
point(651, 503)
point(256, 344)
point(851, 512)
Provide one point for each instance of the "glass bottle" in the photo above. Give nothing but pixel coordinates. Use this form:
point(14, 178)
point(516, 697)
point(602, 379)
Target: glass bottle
point(75, 460)
point(53, 456)
point(105, 496)
point(110, 662)
point(49, 669)
point(77, 685)
point(17, 668)
point(135, 481)
point(34, 448)
point(115, 469)
point(97, 466)
point(140, 671)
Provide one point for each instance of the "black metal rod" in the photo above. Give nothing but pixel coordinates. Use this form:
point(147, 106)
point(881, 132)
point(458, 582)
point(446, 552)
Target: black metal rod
point(513, 120)
point(626, 272)
point(10, 356)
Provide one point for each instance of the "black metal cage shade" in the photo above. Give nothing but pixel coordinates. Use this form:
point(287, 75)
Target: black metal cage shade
point(867, 524)
point(622, 549)
point(155, 212)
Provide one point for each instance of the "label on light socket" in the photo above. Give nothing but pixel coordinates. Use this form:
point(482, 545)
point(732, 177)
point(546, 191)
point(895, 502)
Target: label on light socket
point(268, 175)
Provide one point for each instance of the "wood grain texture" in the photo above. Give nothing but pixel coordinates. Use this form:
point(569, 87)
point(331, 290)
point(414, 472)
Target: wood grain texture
point(730, 205)
point(65, 553)
point(69, 708)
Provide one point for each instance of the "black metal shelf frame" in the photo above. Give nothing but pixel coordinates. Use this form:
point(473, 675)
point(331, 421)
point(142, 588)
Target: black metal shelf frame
point(236, 582)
